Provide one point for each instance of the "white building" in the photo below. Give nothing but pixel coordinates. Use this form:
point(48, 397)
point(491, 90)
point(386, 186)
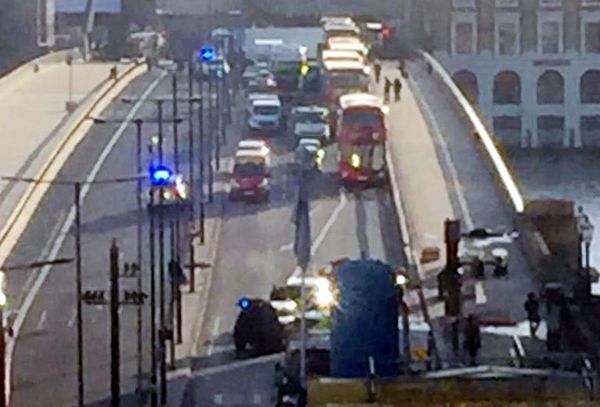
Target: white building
point(532, 66)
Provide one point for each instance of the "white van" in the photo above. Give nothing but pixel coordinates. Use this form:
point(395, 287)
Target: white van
point(265, 114)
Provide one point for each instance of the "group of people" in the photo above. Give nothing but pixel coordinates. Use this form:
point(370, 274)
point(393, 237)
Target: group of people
point(396, 83)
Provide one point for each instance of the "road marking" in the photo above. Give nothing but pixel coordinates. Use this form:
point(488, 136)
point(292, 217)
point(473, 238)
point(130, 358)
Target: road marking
point(218, 398)
point(71, 320)
point(214, 333)
point(239, 364)
point(53, 234)
point(480, 297)
point(462, 201)
point(64, 231)
point(257, 399)
point(323, 232)
point(42, 321)
point(290, 246)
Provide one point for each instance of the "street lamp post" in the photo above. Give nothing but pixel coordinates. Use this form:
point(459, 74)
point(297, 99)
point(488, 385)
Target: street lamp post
point(78, 267)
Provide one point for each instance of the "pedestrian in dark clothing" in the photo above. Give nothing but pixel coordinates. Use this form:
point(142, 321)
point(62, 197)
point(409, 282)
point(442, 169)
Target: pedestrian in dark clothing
point(532, 307)
point(387, 88)
point(472, 341)
point(455, 335)
point(377, 72)
point(397, 89)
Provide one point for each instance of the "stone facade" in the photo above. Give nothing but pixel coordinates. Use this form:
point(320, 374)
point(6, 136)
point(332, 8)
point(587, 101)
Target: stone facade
point(532, 66)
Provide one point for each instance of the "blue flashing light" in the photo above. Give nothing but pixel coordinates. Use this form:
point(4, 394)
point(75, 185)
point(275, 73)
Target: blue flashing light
point(207, 54)
point(245, 304)
point(160, 175)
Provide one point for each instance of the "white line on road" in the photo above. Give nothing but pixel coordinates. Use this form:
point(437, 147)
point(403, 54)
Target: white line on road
point(323, 232)
point(71, 320)
point(64, 231)
point(214, 334)
point(290, 246)
point(52, 237)
point(42, 321)
point(218, 398)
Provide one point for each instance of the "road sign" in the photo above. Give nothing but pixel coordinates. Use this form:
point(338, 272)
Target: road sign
point(585, 228)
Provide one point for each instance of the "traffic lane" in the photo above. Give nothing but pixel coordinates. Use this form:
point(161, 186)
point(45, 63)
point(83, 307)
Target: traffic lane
point(60, 336)
point(366, 225)
point(253, 385)
point(486, 201)
point(249, 259)
point(256, 246)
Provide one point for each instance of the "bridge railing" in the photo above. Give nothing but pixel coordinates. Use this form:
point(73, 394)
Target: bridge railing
point(485, 136)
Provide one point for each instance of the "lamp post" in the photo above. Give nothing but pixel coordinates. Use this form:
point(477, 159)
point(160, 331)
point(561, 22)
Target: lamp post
point(78, 267)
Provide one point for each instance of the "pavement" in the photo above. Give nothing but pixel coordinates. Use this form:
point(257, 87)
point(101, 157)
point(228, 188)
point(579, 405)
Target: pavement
point(442, 172)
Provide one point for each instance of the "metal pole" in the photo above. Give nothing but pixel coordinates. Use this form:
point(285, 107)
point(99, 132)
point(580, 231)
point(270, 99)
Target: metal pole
point(140, 218)
point(3, 394)
point(78, 289)
point(210, 139)
point(191, 160)
point(71, 82)
point(201, 156)
point(303, 328)
point(154, 398)
point(217, 124)
point(115, 356)
point(161, 270)
point(172, 287)
point(175, 123)
point(588, 277)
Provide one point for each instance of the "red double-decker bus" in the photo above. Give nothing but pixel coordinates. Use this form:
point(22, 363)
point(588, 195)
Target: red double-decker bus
point(361, 140)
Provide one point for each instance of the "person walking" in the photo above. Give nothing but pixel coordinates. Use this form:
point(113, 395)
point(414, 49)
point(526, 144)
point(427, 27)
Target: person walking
point(472, 341)
point(532, 307)
point(387, 87)
point(377, 72)
point(397, 89)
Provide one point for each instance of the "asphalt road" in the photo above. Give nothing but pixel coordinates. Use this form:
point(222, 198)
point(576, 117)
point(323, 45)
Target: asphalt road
point(254, 254)
point(44, 361)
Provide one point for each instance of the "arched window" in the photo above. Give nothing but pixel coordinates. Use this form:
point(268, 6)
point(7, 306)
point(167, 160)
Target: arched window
point(467, 82)
point(551, 88)
point(507, 88)
point(589, 86)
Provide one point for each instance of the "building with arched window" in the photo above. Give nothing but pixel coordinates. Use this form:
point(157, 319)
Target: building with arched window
point(531, 66)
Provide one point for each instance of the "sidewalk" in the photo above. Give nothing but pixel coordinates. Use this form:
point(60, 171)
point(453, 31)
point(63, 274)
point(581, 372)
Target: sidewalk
point(426, 195)
point(34, 116)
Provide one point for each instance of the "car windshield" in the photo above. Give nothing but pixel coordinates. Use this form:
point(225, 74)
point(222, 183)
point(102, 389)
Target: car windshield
point(249, 169)
point(362, 118)
point(346, 80)
point(266, 110)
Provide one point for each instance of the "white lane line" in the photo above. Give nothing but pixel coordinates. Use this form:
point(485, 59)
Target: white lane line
point(64, 231)
point(323, 232)
point(71, 320)
point(480, 297)
point(290, 246)
point(53, 233)
point(218, 399)
point(462, 201)
point(214, 333)
point(42, 321)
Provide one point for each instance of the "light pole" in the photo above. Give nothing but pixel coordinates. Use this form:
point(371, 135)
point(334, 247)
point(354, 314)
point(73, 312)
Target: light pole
point(78, 268)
